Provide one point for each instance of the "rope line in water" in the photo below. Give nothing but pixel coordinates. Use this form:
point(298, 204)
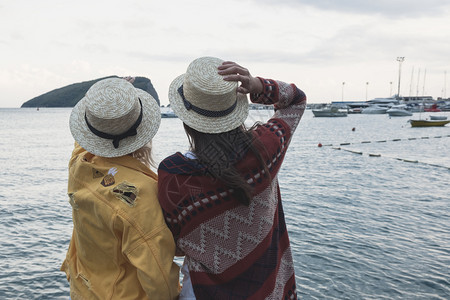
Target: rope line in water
point(385, 141)
point(396, 158)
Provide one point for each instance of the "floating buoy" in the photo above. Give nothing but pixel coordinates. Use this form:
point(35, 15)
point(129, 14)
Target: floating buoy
point(410, 161)
point(353, 129)
point(320, 145)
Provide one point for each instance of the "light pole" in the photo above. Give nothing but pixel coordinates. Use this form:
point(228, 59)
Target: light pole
point(400, 59)
point(390, 92)
point(367, 86)
point(343, 83)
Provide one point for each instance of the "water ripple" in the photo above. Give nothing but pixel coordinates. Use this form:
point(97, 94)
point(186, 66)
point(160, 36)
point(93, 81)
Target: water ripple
point(360, 227)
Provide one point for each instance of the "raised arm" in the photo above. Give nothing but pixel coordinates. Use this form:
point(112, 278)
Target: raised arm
point(288, 100)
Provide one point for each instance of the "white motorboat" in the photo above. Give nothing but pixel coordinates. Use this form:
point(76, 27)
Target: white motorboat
point(399, 111)
point(167, 112)
point(438, 118)
point(374, 109)
point(331, 111)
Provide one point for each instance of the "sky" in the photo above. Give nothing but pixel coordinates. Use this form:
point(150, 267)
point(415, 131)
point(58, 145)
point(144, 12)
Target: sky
point(332, 50)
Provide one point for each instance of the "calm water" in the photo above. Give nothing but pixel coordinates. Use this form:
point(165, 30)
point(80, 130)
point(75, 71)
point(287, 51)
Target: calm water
point(361, 227)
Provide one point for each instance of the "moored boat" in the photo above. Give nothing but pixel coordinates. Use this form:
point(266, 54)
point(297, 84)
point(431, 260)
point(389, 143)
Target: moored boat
point(167, 112)
point(374, 109)
point(331, 111)
point(433, 108)
point(438, 118)
point(428, 123)
point(399, 111)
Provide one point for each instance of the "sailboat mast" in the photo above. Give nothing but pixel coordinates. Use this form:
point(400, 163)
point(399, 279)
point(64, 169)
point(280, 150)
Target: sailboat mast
point(418, 79)
point(445, 85)
point(400, 59)
point(411, 82)
point(424, 77)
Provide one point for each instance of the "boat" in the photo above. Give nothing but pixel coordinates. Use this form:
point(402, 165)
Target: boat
point(374, 109)
point(416, 107)
point(330, 111)
point(356, 110)
point(399, 111)
point(352, 107)
point(428, 123)
point(433, 108)
point(438, 118)
point(383, 101)
point(168, 113)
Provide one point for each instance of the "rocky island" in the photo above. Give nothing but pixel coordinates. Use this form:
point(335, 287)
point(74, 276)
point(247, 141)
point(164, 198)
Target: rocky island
point(69, 95)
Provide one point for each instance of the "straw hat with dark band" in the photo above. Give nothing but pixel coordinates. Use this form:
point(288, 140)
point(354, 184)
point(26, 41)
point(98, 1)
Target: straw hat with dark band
point(206, 102)
point(114, 118)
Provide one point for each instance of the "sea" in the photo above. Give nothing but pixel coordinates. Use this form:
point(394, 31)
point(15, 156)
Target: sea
point(366, 200)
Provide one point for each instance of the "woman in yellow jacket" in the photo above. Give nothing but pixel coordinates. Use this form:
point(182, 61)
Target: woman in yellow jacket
point(120, 246)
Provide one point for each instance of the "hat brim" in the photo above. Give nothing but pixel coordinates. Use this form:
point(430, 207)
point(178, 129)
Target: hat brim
point(202, 123)
point(151, 119)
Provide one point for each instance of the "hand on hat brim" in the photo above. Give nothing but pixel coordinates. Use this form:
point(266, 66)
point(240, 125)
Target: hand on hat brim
point(231, 71)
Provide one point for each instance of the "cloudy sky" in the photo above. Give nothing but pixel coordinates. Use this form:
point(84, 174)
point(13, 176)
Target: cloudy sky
point(317, 44)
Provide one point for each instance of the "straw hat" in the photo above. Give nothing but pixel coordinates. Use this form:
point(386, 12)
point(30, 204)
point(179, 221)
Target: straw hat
point(206, 102)
point(114, 118)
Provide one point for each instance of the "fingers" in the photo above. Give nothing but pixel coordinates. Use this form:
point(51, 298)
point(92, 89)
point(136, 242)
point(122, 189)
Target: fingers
point(227, 63)
point(232, 68)
point(231, 71)
point(242, 90)
point(233, 77)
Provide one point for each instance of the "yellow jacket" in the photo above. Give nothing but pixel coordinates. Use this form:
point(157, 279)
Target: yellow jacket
point(120, 246)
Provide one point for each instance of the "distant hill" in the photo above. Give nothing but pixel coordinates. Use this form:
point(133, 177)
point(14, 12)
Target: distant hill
point(69, 95)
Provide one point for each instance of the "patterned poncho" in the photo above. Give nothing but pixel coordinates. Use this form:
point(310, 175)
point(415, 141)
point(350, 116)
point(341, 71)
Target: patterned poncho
point(235, 251)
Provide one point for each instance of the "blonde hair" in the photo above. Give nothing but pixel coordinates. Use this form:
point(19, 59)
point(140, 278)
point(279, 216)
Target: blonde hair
point(144, 155)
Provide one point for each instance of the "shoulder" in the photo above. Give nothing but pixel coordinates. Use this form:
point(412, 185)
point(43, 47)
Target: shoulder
point(178, 164)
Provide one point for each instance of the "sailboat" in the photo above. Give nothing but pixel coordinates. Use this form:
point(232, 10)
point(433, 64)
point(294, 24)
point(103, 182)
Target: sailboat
point(431, 122)
point(434, 121)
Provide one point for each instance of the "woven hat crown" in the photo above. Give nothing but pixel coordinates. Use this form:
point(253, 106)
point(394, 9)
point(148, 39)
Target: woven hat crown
point(203, 100)
point(112, 105)
point(114, 118)
point(205, 88)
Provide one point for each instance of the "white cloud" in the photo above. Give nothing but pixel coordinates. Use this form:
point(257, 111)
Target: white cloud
point(388, 8)
point(317, 44)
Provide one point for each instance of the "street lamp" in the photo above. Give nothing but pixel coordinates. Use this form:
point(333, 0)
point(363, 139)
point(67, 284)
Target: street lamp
point(343, 83)
point(390, 92)
point(367, 85)
point(400, 59)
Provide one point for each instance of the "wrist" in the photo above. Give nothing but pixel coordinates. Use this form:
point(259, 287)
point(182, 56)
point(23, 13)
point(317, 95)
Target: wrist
point(258, 85)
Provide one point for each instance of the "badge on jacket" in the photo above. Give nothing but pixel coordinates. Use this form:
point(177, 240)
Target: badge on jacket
point(109, 180)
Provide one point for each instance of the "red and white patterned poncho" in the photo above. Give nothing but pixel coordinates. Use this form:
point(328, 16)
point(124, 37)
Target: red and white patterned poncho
point(235, 251)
